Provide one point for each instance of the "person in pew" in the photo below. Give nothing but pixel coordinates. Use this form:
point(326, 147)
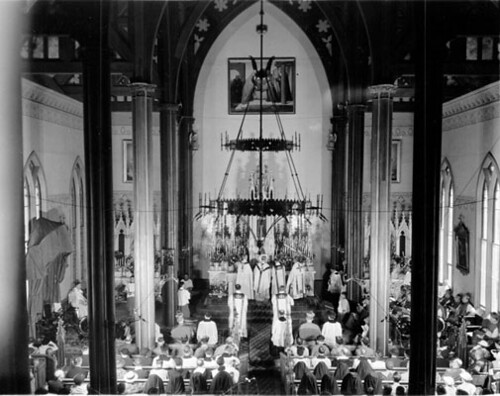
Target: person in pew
point(388, 373)
point(159, 370)
point(466, 384)
point(321, 356)
point(54, 387)
point(363, 368)
point(141, 373)
point(490, 327)
point(202, 369)
point(395, 357)
point(160, 347)
point(76, 368)
point(130, 346)
point(154, 382)
point(363, 348)
point(125, 355)
point(132, 387)
point(166, 361)
point(199, 352)
point(455, 370)
point(198, 380)
point(222, 381)
point(308, 384)
point(189, 362)
point(120, 368)
point(78, 387)
point(229, 343)
point(209, 362)
point(329, 384)
point(341, 351)
point(351, 384)
point(176, 379)
point(301, 358)
point(292, 350)
point(372, 385)
point(320, 342)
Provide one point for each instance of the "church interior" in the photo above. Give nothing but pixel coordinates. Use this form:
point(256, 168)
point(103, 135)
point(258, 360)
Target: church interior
point(250, 197)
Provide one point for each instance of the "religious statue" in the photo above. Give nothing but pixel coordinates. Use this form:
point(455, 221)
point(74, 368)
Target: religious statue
point(238, 305)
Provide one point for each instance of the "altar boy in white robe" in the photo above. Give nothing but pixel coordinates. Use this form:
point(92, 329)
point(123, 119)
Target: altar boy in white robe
point(295, 285)
point(262, 279)
point(238, 306)
point(244, 277)
point(282, 319)
point(278, 277)
point(208, 328)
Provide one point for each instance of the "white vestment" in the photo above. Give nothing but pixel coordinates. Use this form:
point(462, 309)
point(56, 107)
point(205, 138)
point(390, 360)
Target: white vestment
point(331, 330)
point(281, 333)
point(183, 297)
point(78, 301)
point(238, 305)
point(309, 279)
point(262, 281)
point(278, 278)
point(208, 328)
point(244, 277)
point(295, 285)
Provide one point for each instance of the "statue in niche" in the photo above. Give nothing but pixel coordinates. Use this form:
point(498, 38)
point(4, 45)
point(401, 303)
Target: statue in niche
point(462, 246)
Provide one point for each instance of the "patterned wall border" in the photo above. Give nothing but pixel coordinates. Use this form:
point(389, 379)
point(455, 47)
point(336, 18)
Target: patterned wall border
point(47, 105)
point(475, 107)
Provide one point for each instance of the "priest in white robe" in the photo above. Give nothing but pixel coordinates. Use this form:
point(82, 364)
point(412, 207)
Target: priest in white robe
point(262, 279)
point(295, 285)
point(238, 306)
point(244, 278)
point(282, 335)
point(278, 277)
point(183, 298)
point(331, 330)
point(208, 328)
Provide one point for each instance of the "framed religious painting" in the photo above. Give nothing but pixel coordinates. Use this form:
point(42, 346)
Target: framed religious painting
point(128, 161)
point(462, 247)
point(396, 161)
point(275, 88)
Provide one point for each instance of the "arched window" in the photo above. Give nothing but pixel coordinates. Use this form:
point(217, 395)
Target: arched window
point(449, 255)
point(34, 193)
point(27, 217)
point(484, 246)
point(79, 268)
point(488, 240)
point(446, 225)
point(495, 253)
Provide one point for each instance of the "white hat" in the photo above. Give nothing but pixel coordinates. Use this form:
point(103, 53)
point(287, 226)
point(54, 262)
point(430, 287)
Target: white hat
point(130, 376)
point(465, 376)
point(483, 343)
point(448, 381)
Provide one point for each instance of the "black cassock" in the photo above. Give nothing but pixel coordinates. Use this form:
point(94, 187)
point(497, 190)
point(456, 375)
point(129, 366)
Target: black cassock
point(176, 382)
point(221, 383)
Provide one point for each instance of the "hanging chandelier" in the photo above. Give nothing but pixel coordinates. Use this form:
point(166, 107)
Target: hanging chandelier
point(262, 202)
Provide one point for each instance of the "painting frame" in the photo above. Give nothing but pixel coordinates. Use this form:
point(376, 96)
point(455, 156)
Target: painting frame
point(128, 160)
point(241, 90)
point(396, 160)
point(462, 247)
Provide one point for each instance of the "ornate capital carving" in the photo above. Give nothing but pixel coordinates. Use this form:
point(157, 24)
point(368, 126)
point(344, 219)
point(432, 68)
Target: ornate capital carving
point(381, 91)
point(142, 89)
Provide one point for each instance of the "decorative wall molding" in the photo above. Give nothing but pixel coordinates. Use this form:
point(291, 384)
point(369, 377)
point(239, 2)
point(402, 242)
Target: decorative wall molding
point(47, 105)
point(475, 107)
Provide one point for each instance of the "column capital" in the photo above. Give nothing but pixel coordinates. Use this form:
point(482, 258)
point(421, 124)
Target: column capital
point(381, 91)
point(142, 89)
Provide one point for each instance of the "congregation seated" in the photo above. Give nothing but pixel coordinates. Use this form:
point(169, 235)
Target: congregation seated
point(320, 342)
point(299, 342)
point(76, 368)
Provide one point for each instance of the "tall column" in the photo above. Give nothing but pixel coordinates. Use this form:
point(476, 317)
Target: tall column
point(142, 110)
point(354, 215)
point(185, 194)
point(426, 180)
point(99, 179)
point(337, 214)
point(169, 153)
point(14, 371)
point(380, 214)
